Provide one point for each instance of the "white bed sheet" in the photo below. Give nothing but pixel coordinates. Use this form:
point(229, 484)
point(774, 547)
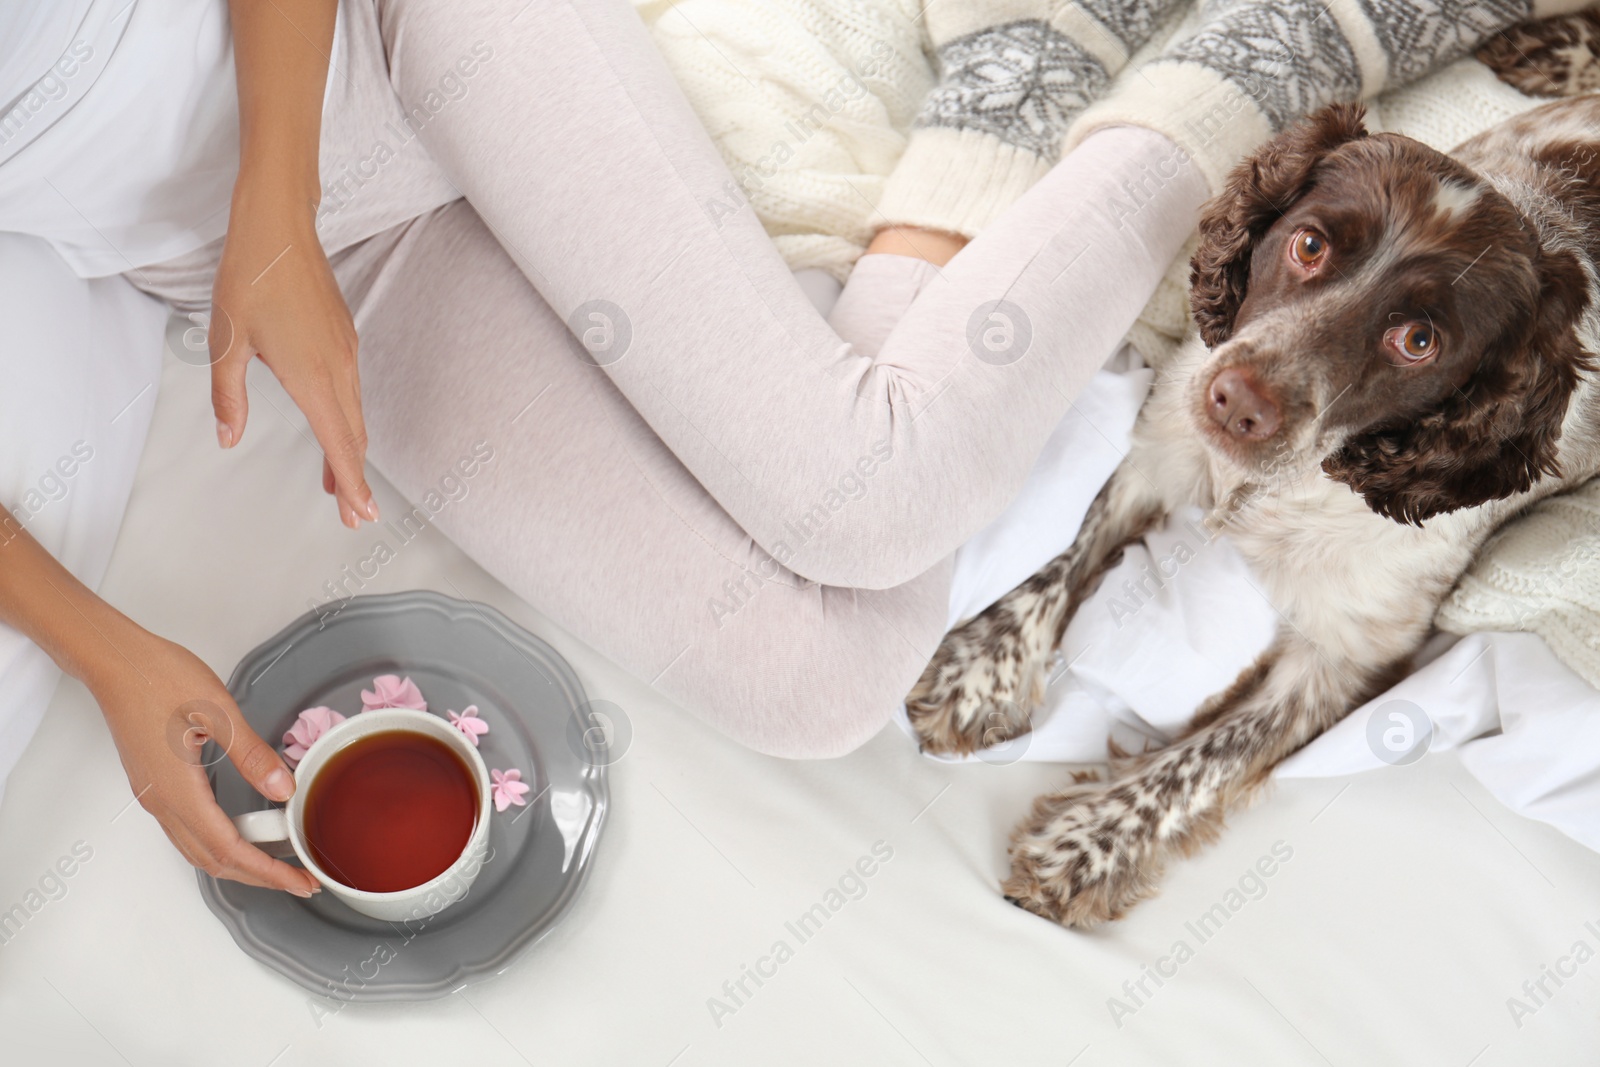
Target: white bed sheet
point(1411, 908)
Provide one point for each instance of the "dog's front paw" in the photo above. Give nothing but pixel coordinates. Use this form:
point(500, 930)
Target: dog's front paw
point(1083, 857)
point(979, 690)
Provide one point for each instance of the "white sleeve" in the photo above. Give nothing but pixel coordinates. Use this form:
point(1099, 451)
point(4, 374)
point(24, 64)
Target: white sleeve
point(79, 365)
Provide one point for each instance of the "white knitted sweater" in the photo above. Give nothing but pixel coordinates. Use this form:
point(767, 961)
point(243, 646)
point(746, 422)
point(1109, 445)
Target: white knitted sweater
point(811, 103)
point(840, 117)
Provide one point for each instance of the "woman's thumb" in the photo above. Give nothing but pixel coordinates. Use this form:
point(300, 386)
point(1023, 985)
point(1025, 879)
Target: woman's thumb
point(229, 362)
point(258, 763)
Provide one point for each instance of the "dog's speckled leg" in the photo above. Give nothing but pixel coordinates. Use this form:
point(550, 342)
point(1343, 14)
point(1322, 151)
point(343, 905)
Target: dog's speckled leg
point(1090, 852)
point(982, 685)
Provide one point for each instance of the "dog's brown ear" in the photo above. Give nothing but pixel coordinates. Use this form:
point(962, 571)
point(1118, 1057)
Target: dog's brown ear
point(1497, 434)
point(1258, 192)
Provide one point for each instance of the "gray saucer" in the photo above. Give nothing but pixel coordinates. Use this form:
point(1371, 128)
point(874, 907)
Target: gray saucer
point(458, 653)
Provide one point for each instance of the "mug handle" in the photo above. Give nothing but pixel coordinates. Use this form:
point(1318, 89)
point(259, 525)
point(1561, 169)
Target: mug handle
point(267, 830)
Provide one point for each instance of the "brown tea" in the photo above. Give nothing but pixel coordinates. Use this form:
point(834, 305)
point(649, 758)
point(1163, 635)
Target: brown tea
point(390, 811)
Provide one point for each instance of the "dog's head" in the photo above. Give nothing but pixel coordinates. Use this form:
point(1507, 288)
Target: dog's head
point(1375, 304)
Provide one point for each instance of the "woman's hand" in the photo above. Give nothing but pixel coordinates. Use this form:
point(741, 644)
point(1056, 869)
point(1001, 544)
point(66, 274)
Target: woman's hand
point(934, 246)
point(275, 297)
point(162, 704)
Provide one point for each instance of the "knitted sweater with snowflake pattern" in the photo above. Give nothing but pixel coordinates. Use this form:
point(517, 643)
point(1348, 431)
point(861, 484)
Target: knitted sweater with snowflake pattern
point(1020, 81)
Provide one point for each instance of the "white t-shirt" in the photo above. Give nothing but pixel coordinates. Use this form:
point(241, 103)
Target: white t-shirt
point(124, 130)
point(139, 166)
point(34, 37)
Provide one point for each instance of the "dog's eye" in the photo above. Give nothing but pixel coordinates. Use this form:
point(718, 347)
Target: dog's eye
point(1413, 342)
point(1308, 248)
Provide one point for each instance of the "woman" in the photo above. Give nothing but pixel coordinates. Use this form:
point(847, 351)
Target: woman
point(694, 472)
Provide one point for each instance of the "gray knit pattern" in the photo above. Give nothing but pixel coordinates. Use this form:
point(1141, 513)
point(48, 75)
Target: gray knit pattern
point(1421, 36)
point(1289, 56)
point(1131, 21)
point(1022, 82)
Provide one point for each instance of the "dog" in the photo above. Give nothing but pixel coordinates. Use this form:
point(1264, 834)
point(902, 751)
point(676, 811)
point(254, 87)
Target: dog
point(1395, 356)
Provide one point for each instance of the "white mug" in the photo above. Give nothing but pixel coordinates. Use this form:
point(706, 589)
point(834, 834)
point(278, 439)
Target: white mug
point(287, 824)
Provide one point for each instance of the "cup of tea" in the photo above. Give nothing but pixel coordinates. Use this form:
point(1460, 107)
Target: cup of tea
point(390, 813)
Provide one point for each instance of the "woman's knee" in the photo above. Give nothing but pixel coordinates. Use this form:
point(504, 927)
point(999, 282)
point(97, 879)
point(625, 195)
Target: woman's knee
point(814, 673)
point(882, 549)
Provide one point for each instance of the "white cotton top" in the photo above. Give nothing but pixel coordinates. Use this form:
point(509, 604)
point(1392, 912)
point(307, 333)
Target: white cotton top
point(122, 142)
point(32, 38)
point(129, 135)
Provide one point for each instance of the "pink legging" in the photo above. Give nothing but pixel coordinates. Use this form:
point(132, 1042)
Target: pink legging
point(721, 494)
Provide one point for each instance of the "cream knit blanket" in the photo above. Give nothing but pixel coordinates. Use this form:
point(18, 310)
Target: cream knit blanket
point(811, 103)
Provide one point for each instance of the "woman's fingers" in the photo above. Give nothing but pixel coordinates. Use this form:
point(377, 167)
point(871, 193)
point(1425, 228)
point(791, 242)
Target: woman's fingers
point(348, 394)
point(202, 830)
point(202, 858)
point(343, 447)
point(332, 404)
point(162, 717)
point(182, 840)
point(229, 398)
point(353, 414)
point(188, 814)
point(230, 856)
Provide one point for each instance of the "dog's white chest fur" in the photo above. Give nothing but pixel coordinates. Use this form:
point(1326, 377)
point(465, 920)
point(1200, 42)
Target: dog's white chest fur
point(1346, 578)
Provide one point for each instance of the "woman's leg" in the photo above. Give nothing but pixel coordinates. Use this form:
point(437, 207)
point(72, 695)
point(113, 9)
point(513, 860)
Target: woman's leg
point(583, 511)
point(576, 147)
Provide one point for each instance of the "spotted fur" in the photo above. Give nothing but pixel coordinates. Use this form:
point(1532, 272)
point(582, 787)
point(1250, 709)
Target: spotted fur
point(1550, 57)
point(990, 672)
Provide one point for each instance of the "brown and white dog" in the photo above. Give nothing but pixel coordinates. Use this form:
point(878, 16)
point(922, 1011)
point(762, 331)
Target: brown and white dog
point(1395, 357)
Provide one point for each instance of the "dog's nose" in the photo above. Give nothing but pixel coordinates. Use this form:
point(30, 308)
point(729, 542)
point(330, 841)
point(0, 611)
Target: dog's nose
point(1238, 406)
